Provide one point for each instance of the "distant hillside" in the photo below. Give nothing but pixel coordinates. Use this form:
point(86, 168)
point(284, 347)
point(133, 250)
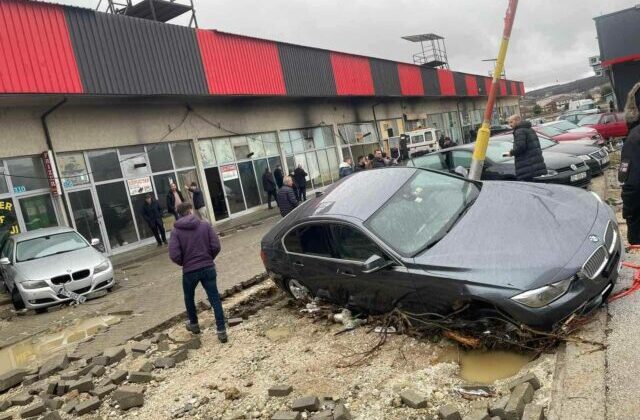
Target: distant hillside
point(577, 86)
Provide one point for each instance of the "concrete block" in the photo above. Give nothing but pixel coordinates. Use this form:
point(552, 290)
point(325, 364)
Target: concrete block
point(412, 399)
point(140, 377)
point(115, 354)
point(62, 387)
point(192, 344)
point(477, 414)
point(84, 371)
point(323, 415)
point(129, 396)
point(235, 321)
point(53, 403)
point(104, 382)
point(51, 388)
point(30, 379)
point(53, 365)
point(530, 378)
point(119, 376)
point(449, 412)
point(22, 399)
point(69, 375)
point(103, 391)
point(5, 405)
point(180, 355)
point(100, 361)
point(143, 365)
point(82, 385)
point(286, 415)
point(70, 406)
point(280, 390)
point(163, 346)
point(34, 410)
point(51, 415)
point(164, 362)
point(521, 395)
point(309, 403)
point(140, 346)
point(340, 412)
point(533, 412)
point(497, 408)
point(97, 371)
point(158, 337)
point(88, 406)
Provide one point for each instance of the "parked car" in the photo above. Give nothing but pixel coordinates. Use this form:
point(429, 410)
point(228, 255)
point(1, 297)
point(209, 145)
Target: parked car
point(424, 241)
point(573, 116)
point(561, 168)
point(559, 135)
point(610, 125)
point(499, 129)
point(569, 127)
point(596, 157)
point(46, 267)
point(423, 141)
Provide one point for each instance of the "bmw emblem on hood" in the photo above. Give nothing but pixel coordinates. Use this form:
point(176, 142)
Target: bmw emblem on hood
point(575, 168)
point(593, 238)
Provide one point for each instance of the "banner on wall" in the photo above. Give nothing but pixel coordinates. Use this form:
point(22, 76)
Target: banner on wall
point(52, 174)
point(8, 219)
point(229, 172)
point(139, 185)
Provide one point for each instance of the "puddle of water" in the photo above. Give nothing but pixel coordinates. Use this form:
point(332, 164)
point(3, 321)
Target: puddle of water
point(277, 333)
point(484, 367)
point(32, 351)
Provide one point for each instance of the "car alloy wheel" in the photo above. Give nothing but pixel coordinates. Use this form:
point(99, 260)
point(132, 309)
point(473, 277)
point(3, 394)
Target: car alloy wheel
point(298, 290)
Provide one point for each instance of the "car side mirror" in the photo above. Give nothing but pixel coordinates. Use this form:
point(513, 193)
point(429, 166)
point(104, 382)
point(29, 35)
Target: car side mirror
point(95, 242)
point(461, 171)
point(4, 261)
point(375, 263)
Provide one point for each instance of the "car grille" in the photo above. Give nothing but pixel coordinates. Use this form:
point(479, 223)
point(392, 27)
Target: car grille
point(568, 168)
point(595, 263)
point(79, 275)
point(61, 279)
point(600, 154)
point(610, 237)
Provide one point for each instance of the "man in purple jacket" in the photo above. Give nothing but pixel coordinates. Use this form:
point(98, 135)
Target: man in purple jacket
point(193, 246)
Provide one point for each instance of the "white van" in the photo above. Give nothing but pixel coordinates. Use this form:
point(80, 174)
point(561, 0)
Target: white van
point(588, 106)
point(423, 141)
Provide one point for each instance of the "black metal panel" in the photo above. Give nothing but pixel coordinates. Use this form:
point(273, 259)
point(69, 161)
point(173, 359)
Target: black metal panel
point(482, 90)
point(118, 55)
point(430, 81)
point(510, 91)
point(618, 34)
point(307, 71)
point(460, 83)
point(385, 77)
point(625, 76)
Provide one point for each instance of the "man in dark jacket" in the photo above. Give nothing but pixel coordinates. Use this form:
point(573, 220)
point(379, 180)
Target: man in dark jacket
point(526, 150)
point(174, 199)
point(629, 171)
point(198, 201)
point(286, 198)
point(378, 160)
point(279, 176)
point(362, 164)
point(193, 246)
point(300, 178)
point(269, 185)
point(152, 214)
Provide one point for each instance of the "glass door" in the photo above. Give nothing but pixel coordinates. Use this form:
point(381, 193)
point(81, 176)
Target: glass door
point(85, 218)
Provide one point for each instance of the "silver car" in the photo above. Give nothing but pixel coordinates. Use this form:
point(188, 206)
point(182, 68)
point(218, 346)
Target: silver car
point(50, 266)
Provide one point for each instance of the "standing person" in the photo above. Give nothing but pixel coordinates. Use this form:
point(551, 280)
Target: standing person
point(472, 135)
point(441, 140)
point(526, 150)
point(362, 164)
point(369, 161)
point(198, 201)
point(629, 172)
point(300, 177)
point(286, 198)
point(387, 161)
point(346, 168)
point(279, 176)
point(152, 214)
point(378, 161)
point(269, 185)
point(174, 199)
point(194, 246)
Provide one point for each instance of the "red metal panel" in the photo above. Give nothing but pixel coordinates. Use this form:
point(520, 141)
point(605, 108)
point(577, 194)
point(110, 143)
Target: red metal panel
point(503, 87)
point(36, 55)
point(237, 65)
point(447, 84)
point(521, 85)
point(488, 82)
point(352, 74)
point(410, 80)
point(514, 89)
point(472, 85)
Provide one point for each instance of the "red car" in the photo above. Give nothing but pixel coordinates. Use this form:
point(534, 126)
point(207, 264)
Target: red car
point(609, 125)
point(560, 135)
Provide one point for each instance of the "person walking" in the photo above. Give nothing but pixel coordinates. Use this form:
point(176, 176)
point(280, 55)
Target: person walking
point(300, 177)
point(152, 214)
point(269, 185)
point(526, 150)
point(279, 176)
point(286, 197)
point(174, 199)
point(194, 246)
point(198, 201)
point(378, 160)
point(346, 168)
point(629, 171)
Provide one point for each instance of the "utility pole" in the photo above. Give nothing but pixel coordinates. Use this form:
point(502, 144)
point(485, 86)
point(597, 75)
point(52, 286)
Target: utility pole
point(482, 139)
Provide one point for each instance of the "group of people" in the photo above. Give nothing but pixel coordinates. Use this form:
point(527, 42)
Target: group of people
point(378, 159)
point(288, 191)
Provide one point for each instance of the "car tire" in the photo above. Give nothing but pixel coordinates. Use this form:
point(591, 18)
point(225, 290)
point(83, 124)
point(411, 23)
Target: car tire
point(16, 299)
point(298, 291)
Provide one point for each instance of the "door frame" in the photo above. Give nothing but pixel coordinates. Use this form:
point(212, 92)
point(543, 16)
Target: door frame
point(96, 208)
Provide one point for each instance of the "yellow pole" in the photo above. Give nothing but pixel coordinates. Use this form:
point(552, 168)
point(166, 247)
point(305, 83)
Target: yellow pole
point(482, 139)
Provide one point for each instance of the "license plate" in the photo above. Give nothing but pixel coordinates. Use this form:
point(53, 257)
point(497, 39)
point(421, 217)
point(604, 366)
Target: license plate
point(604, 160)
point(578, 177)
point(72, 295)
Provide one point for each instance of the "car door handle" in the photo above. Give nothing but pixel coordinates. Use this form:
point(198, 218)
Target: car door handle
point(346, 273)
point(298, 264)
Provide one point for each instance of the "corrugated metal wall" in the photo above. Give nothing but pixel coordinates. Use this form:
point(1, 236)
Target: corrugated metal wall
point(460, 83)
point(482, 87)
point(430, 81)
point(352, 74)
point(514, 89)
point(118, 55)
point(488, 82)
point(385, 77)
point(307, 71)
point(410, 80)
point(503, 88)
point(35, 50)
point(236, 65)
point(472, 85)
point(522, 91)
point(447, 83)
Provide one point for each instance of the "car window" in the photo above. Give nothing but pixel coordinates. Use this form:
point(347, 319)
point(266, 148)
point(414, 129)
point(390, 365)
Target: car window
point(608, 119)
point(496, 149)
point(7, 249)
point(563, 125)
point(589, 119)
point(461, 158)
point(48, 245)
point(354, 245)
point(417, 139)
point(309, 240)
point(433, 161)
point(549, 131)
point(429, 136)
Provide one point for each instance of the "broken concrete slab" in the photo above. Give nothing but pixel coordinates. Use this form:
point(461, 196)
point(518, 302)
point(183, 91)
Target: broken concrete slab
point(30, 379)
point(119, 376)
point(287, 415)
point(308, 403)
point(62, 387)
point(97, 371)
point(115, 354)
point(84, 384)
point(143, 365)
point(140, 346)
point(164, 362)
point(11, 379)
point(5, 405)
point(530, 378)
point(70, 406)
point(412, 399)
point(53, 403)
point(521, 395)
point(140, 377)
point(100, 361)
point(533, 412)
point(158, 337)
point(163, 346)
point(180, 355)
point(193, 344)
point(280, 390)
point(22, 399)
point(235, 321)
point(323, 415)
point(477, 414)
point(129, 396)
point(497, 408)
point(104, 382)
point(340, 412)
point(70, 375)
point(88, 406)
point(51, 415)
point(53, 365)
point(449, 412)
point(86, 369)
point(103, 391)
point(34, 410)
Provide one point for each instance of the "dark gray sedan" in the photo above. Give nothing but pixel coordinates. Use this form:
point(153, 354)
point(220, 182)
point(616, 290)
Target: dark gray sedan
point(425, 241)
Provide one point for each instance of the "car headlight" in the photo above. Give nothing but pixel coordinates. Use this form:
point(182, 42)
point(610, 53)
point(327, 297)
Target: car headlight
point(585, 157)
point(550, 172)
point(34, 284)
point(537, 298)
point(103, 266)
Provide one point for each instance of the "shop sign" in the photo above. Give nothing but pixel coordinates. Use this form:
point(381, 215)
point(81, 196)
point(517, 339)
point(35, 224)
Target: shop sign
point(8, 220)
point(229, 172)
point(19, 189)
point(139, 186)
point(50, 170)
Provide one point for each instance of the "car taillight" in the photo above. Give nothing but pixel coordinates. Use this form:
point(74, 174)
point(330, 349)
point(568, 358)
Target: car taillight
point(263, 255)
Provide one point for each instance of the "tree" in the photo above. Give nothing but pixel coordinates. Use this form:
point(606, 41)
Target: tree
point(537, 109)
point(606, 90)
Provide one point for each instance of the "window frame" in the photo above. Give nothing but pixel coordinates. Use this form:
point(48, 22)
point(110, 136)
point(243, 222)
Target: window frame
point(337, 244)
point(324, 224)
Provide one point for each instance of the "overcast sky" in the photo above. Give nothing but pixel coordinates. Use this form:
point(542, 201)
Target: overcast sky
point(551, 41)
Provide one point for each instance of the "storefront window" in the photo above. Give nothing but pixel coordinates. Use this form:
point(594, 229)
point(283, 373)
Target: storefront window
point(27, 174)
point(325, 171)
point(3, 182)
point(312, 170)
point(182, 154)
point(256, 146)
point(323, 137)
point(137, 201)
point(117, 214)
point(84, 214)
point(104, 165)
point(232, 189)
point(8, 219)
point(38, 212)
point(261, 165)
point(249, 184)
point(159, 157)
point(224, 152)
point(270, 144)
point(240, 147)
point(134, 161)
point(73, 170)
point(162, 183)
point(185, 178)
point(206, 153)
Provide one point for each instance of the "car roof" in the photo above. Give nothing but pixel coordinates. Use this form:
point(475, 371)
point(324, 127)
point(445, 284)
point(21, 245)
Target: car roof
point(32, 234)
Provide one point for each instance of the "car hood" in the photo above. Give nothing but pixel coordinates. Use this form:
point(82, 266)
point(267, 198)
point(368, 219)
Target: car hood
point(572, 148)
point(57, 265)
point(516, 235)
point(556, 161)
point(583, 129)
point(572, 136)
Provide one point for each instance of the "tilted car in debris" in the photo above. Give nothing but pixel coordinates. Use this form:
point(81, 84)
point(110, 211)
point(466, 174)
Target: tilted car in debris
point(424, 241)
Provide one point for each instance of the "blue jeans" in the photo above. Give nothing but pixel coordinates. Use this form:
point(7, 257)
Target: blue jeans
point(206, 276)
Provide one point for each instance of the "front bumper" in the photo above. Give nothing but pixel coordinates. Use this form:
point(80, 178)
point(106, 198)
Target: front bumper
point(47, 296)
point(564, 178)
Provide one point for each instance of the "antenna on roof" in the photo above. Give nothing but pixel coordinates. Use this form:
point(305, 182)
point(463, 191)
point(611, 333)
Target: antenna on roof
point(433, 54)
point(157, 10)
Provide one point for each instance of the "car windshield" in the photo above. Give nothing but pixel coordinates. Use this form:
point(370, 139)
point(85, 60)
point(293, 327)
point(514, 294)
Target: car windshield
point(589, 119)
point(549, 131)
point(545, 143)
point(44, 246)
point(422, 211)
point(496, 149)
point(563, 125)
